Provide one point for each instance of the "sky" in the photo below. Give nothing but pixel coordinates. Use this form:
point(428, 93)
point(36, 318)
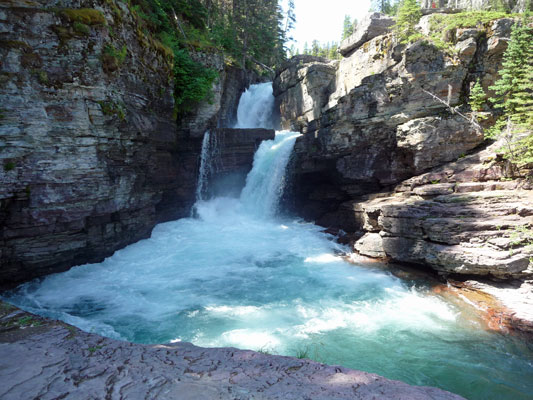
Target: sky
point(323, 19)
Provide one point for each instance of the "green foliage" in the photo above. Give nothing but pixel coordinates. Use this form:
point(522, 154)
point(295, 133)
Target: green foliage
point(87, 16)
point(81, 28)
point(328, 50)
point(119, 54)
point(113, 58)
point(192, 82)
point(514, 95)
point(389, 7)
point(110, 108)
point(444, 26)
point(43, 77)
point(94, 348)
point(522, 236)
point(477, 97)
point(409, 13)
point(8, 166)
point(348, 26)
point(249, 32)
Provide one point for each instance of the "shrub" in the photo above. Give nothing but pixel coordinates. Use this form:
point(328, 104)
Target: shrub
point(409, 13)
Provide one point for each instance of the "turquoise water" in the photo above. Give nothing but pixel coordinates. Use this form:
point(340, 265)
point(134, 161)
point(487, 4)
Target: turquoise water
point(238, 275)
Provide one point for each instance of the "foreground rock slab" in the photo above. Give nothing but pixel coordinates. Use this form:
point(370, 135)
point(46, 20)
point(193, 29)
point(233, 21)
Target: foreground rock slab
point(45, 359)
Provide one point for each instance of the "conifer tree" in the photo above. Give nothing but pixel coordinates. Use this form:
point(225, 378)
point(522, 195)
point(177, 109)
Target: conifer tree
point(514, 95)
point(409, 14)
point(477, 97)
point(347, 28)
point(388, 7)
point(514, 88)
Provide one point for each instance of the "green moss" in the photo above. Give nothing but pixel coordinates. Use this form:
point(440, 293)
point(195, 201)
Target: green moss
point(81, 28)
point(110, 108)
point(117, 13)
point(88, 16)
point(42, 76)
point(93, 349)
point(112, 58)
point(8, 166)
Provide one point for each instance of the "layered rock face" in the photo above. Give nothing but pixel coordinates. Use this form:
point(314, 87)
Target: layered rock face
point(377, 122)
point(91, 156)
point(232, 158)
point(385, 161)
point(514, 5)
point(460, 219)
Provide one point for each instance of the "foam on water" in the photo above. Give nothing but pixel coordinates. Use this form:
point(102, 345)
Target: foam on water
point(255, 107)
point(238, 275)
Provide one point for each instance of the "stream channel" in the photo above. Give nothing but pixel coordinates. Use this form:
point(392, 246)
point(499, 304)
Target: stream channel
point(242, 273)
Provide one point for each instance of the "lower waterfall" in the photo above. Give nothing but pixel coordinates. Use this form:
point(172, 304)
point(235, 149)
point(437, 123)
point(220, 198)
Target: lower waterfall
point(242, 275)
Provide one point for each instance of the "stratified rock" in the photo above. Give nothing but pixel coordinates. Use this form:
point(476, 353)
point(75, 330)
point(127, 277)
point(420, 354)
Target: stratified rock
point(454, 225)
point(435, 140)
point(381, 124)
point(372, 25)
point(50, 360)
point(91, 156)
point(303, 86)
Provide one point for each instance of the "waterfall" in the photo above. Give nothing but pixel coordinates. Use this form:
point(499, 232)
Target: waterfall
point(255, 107)
point(238, 275)
point(209, 149)
point(265, 182)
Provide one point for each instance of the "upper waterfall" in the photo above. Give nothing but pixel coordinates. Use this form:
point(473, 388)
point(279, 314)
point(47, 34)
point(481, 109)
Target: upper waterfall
point(255, 107)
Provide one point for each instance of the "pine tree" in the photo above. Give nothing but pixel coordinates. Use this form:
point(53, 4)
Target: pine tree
point(315, 48)
point(388, 7)
point(514, 88)
point(347, 28)
point(409, 14)
point(514, 94)
point(477, 97)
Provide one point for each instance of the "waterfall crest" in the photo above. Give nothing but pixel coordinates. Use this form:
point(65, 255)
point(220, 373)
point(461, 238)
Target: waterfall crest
point(255, 107)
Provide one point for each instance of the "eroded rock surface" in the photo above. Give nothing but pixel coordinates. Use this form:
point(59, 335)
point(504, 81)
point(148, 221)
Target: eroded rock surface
point(377, 122)
point(91, 157)
point(49, 360)
point(459, 219)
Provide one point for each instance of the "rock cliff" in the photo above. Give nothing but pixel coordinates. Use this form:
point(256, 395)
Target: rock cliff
point(92, 157)
point(405, 176)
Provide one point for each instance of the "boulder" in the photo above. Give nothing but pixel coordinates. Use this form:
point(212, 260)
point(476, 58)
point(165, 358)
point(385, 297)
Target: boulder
point(372, 25)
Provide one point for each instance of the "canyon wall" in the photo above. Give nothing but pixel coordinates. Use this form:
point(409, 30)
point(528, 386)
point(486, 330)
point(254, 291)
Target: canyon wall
point(384, 161)
point(91, 155)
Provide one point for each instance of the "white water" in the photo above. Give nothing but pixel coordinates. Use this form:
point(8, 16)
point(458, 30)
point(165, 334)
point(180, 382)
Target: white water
point(205, 166)
point(240, 276)
point(255, 107)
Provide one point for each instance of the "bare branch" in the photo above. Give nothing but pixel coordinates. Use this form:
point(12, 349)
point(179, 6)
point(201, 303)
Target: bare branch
point(454, 110)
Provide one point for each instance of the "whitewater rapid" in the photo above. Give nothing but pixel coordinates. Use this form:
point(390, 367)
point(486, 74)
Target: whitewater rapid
point(239, 274)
